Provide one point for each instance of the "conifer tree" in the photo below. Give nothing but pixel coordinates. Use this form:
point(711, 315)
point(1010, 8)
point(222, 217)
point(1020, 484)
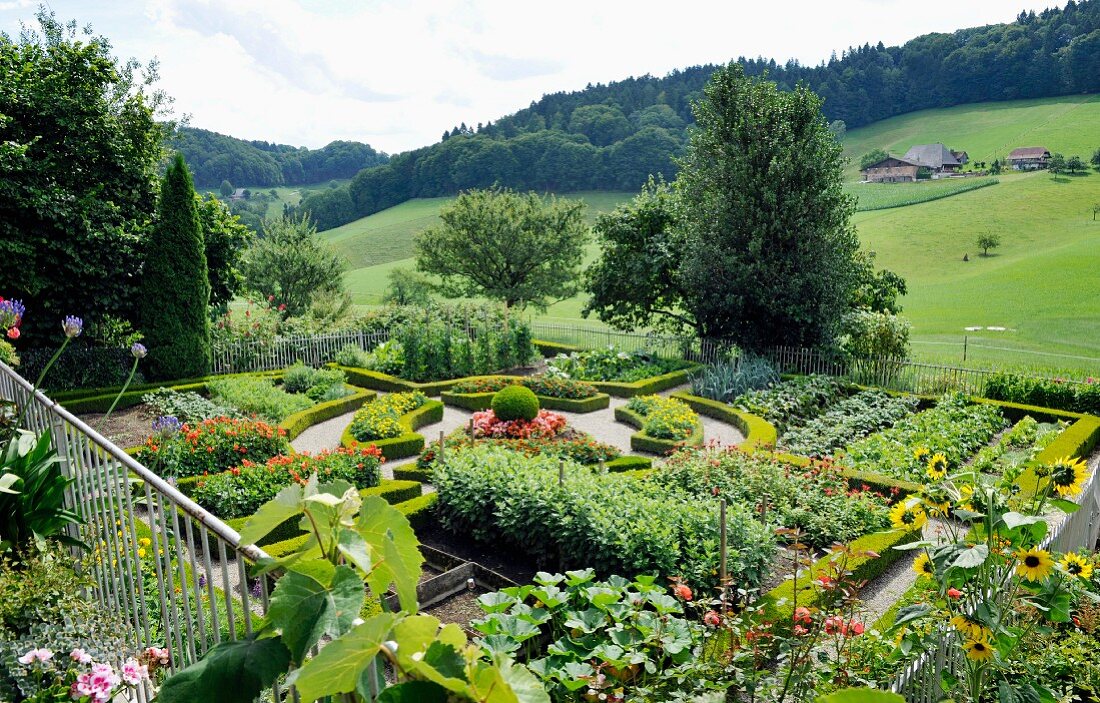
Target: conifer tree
point(175, 286)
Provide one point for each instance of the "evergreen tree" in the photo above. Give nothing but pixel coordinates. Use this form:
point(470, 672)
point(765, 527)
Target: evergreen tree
point(175, 286)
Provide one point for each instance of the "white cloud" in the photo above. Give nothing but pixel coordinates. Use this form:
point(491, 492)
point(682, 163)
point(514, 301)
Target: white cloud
point(396, 73)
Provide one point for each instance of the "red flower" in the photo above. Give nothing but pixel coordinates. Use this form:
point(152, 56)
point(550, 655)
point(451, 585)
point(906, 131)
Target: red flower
point(799, 630)
point(855, 628)
point(802, 614)
point(682, 591)
point(13, 333)
point(712, 618)
point(954, 593)
point(835, 624)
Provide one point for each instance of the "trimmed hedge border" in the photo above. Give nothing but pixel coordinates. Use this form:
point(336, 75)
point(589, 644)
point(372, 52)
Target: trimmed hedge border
point(98, 400)
point(482, 401)
point(411, 442)
point(758, 432)
point(418, 511)
point(299, 422)
point(393, 492)
point(646, 386)
point(642, 442)
point(549, 349)
point(411, 473)
point(779, 602)
point(628, 463)
point(376, 380)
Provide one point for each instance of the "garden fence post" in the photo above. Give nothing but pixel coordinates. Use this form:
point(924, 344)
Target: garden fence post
point(603, 467)
point(722, 543)
point(561, 472)
point(471, 430)
point(441, 445)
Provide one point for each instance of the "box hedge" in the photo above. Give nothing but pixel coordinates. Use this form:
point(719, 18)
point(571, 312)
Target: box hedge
point(550, 349)
point(646, 386)
point(758, 432)
point(301, 421)
point(475, 402)
point(642, 442)
point(376, 380)
point(411, 442)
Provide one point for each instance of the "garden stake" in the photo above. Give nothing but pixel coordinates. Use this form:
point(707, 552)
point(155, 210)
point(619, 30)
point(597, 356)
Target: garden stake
point(561, 472)
point(603, 467)
point(722, 542)
point(471, 431)
point(441, 446)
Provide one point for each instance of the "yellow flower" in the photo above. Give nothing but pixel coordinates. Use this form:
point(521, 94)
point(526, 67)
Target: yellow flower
point(1067, 476)
point(924, 566)
point(919, 453)
point(1034, 564)
point(1076, 565)
point(937, 466)
point(141, 553)
point(978, 649)
point(145, 541)
point(971, 629)
point(908, 514)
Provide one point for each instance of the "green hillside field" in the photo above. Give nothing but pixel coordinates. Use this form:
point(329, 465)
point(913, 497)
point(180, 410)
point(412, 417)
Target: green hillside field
point(1041, 284)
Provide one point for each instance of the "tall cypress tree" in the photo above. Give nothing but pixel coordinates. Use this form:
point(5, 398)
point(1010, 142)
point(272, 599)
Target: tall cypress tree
point(175, 287)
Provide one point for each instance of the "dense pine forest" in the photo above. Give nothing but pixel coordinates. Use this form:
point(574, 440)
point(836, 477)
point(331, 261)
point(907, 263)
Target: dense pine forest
point(613, 136)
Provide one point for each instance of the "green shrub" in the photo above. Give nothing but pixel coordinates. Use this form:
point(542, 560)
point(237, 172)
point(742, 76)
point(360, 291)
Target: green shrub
point(379, 419)
point(241, 490)
point(726, 380)
point(188, 406)
point(1045, 393)
point(611, 364)
point(611, 522)
point(515, 403)
point(316, 384)
point(351, 355)
point(546, 386)
point(253, 395)
point(387, 357)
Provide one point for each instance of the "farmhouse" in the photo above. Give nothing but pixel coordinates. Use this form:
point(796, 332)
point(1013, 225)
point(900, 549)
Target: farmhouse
point(891, 170)
point(1029, 158)
point(937, 158)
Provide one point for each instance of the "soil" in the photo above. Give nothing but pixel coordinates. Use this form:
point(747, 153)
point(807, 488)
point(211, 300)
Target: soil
point(127, 427)
point(460, 609)
point(508, 563)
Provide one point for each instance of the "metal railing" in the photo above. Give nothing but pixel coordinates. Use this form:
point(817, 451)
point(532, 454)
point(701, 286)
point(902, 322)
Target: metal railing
point(175, 574)
point(920, 682)
point(313, 350)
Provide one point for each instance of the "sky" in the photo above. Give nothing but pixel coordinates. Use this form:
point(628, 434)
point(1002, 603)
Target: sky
point(397, 73)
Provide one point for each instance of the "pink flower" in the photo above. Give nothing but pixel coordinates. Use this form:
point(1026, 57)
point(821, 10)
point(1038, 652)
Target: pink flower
point(954, 593)
point(38, 654)
point(799, 630)
point(835, 624)
point(712, 618)
point(80, 656)
point(134, 673)
point(855, 628)
point(682, 591)
point(802, 614)
point(13, 333)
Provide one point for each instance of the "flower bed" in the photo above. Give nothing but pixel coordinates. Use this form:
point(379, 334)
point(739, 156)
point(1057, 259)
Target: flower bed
point(955, 428)
point(570, 444)
point(211, 446)
point(546, 386)
point(546, 425)
point(612, 365)
point(665, 424)
point(846, 421)
point(380, 419)
point(613, 523)
point(814, 499)
point(241, 491)
point(794, 402)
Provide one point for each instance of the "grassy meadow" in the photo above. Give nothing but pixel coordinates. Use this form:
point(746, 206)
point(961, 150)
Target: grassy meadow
point(1040, 285)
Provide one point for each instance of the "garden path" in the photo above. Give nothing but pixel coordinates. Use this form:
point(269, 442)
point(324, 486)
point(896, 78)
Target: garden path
point(600, 424)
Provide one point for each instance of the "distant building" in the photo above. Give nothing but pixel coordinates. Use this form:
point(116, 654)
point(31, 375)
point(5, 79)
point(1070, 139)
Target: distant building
point(238, 194)
point(1029, 158)
point(937, 158)
point(891, 170)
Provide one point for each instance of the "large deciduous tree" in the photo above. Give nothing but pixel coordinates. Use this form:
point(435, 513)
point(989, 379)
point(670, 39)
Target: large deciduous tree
point(521, 249)
point(293, 264)
point(79, 147)
point(226, 240)
point(767, 225)
point(175, 289)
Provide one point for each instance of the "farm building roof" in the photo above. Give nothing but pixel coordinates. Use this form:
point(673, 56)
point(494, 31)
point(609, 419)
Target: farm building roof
point(931, 155)
point(1029, 152)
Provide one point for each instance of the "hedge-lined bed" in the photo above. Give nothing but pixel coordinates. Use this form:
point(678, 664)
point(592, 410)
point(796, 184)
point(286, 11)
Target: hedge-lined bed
point(99, 400)
point(758, 432)
point(409, 442)
point(663, 424)
point(640, 441)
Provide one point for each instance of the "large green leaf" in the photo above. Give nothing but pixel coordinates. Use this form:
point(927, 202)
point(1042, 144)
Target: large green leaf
point(355, 549)
point(522, 685)
point(414, 692)
point(397, 558)
point(313, 600)
point(273, 513)
point(337, 668)
point(972, 557)
point(231, 672)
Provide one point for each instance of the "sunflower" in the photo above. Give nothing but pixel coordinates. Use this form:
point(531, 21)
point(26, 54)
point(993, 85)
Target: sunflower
point(937, 466)
point(1067, 475)
point(978, 649)
point(971, 629)
point(923, 565)
point(919, 453)
point(1076, 565)
point(1034, 564)
point(908, 514)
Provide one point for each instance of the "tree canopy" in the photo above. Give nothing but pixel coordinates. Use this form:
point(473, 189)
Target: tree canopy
point(293, 264)
point(518, 248)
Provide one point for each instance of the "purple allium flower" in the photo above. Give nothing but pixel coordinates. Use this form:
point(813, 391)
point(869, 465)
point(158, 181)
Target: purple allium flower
point(256, 590)
point(11, 313)
point(73, 326)
point(166, 426)
point(138, 350)
point(202, 580)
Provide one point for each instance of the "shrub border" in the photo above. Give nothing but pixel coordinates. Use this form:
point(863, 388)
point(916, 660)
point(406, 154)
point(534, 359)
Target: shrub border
point(549, 349)
point(98, 400)
point(299, 422)
point(404, 445)
point(758, 432)
point(646, 386)
point(482, 401)
point(642, 442)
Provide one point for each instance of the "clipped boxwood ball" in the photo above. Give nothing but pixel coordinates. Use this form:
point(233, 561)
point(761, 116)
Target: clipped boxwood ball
point(516, 403)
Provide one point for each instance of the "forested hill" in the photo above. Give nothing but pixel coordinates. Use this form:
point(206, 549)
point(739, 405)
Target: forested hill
point(214, 158)
point(612, 136)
